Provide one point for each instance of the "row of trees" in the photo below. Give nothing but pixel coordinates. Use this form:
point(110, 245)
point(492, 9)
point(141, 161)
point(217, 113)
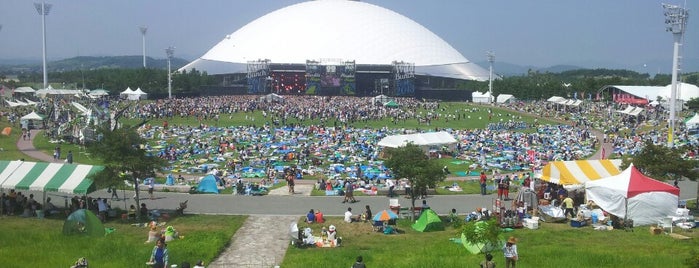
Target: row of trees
point(534, 85)
point(153, 81)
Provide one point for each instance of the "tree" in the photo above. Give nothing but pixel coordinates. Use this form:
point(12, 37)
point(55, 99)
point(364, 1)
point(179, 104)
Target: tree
point(120, 151)
point(663, 163)
point(411, 162)
point(693, 104)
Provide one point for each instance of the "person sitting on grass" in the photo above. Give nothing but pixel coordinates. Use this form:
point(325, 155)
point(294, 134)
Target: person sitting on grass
point(310, 217)
point(453, 216)
point(488, 262)
point(319, 216)
point(348, 216)
point(170, 234)
point(50, 208)
point(153, 234)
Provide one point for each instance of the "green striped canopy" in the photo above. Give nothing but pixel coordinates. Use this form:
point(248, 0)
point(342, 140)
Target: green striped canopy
point(47, 177)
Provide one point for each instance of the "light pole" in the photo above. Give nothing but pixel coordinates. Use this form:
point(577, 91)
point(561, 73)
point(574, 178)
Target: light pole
point(43, 10)
point(676, 20)
point(491, 59)
point(144, 29)
point(170, 51)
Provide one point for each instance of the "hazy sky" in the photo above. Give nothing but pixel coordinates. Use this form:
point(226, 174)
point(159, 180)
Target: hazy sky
point(533, 32)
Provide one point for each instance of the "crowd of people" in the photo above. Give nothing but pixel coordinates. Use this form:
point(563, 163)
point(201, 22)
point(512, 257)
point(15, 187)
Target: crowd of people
point(502, 147)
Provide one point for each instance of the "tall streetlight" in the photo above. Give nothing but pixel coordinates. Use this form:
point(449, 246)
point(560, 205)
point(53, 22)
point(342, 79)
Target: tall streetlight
point(676, 21)
point(144, 29)
point(43, 10)
point(170, 51)
point(491, 59)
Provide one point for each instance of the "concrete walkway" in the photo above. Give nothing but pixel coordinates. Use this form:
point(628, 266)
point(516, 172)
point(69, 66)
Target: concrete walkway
point(261, 242)
point(27, 147)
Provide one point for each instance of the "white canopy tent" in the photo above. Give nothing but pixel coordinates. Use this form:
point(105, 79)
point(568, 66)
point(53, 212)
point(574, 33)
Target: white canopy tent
point(381, 99)
point(633, 195)
point(441, 138)
point(478, 97)
point(96, 93)
point(24, 90)
point(272, 97)
point(556, 99)
point(32, 116)
point(505, 98)
point(693, 122)
point(131, 94)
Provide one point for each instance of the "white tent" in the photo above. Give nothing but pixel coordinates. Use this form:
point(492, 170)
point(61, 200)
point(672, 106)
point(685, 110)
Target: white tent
point(557, 99)
point(478, 97)
point(12, 104)
point(693, 122)
point(131, 94)
point(635, 196)
point(32, 116)
point(505, 98)
point(272, 97)
point(381, 99)
point(24, 90)
point(126, 93)
point(441, 138)
point(141, 95)
point(96, 93)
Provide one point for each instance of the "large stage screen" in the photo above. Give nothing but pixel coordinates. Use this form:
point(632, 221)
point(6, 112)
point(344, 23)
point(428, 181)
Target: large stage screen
point(330, 76)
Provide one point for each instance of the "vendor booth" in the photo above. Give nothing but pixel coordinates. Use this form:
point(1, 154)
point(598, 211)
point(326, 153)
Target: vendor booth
point(580, 171)
point(635, 196)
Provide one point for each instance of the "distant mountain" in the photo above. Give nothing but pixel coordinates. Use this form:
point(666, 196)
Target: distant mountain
point(652, 67)
point(90, 63)
point(16, 66)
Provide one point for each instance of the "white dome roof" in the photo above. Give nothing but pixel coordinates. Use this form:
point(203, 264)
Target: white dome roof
point(338, 29)
point(685, 91)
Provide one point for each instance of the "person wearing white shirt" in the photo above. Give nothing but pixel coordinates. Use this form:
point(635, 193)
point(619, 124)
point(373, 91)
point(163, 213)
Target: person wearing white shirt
point(348, 215)
point(390, 184)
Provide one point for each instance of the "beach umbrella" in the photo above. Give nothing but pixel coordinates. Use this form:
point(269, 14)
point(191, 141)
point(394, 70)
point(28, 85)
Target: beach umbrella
point(385, 215)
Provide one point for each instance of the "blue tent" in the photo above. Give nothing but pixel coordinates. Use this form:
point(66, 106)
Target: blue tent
point(170, 180)
point(208, 185)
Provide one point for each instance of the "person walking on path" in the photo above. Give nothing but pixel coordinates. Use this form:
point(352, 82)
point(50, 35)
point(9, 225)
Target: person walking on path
point(151, 187)
point(510, 251)
point(483, 181)
point(69, 157)
point(390, 184)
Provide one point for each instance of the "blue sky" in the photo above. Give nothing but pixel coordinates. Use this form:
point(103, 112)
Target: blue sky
point(591, 33)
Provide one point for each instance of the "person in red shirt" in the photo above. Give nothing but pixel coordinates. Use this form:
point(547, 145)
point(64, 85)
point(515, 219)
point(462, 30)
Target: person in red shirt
point(319, 216)
point(483, 180)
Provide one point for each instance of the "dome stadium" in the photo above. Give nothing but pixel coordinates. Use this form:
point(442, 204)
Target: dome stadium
point(336, 47)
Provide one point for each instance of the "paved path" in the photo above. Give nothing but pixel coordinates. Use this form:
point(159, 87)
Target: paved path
point(261, 242)
point(26, 147)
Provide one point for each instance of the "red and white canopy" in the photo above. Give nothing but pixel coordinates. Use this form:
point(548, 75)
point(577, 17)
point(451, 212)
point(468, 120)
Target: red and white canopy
point(634, 195)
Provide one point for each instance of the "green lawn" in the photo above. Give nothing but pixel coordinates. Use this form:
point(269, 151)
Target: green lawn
point(552, 245)
point(8, 144)
point(30, 242)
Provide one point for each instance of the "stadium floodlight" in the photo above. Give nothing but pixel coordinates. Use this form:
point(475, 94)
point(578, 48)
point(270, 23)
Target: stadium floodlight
point(170, 51)
point(491, 59)
point(144, 29)
point(43, 10)
point(676, 21)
